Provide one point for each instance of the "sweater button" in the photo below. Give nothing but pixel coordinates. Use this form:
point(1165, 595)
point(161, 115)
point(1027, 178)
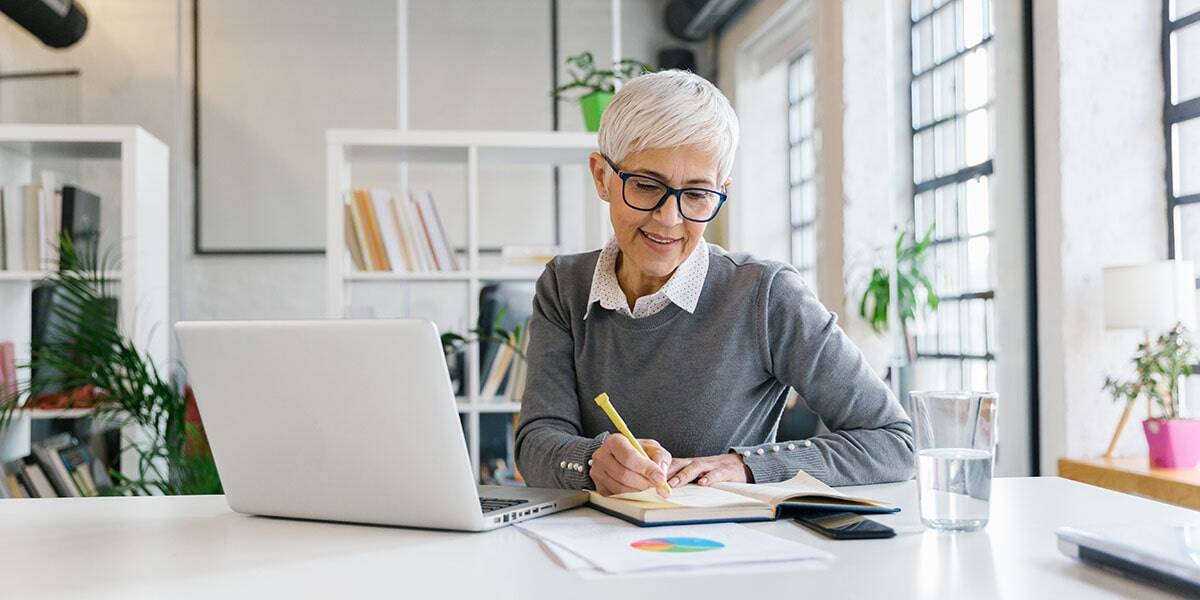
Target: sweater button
point(774, 448)
point(759, 451)
point(791, 446)
point(746, 453)
point(807, 443)
point(562, 465)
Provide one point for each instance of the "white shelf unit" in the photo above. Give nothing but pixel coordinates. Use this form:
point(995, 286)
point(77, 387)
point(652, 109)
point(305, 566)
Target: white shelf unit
point(345, 147)
point(143, 278)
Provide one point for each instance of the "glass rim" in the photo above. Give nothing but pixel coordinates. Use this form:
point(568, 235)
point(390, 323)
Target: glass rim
point(954, 394)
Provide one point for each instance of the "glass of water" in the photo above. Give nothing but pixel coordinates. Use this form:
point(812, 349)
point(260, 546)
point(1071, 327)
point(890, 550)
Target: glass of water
point(956, 441)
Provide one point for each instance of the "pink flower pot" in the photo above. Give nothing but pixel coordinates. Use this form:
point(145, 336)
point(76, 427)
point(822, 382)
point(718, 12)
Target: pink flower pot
point(1174, 444)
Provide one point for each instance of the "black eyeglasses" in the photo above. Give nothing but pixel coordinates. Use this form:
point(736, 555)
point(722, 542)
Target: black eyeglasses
point(645, 193)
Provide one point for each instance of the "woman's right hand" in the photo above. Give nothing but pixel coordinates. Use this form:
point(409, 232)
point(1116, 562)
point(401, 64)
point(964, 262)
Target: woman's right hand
point(617, 467)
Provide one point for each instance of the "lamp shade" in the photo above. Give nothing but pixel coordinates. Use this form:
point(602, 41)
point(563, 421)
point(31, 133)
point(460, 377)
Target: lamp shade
point(1151, 297)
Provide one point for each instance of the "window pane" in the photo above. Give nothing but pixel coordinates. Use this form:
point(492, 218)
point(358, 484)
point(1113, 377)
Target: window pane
point(945, 148)
point(946, 268)
point(1183, 8)
point(807, 162)
point(793, 81)
point(978, 211)
point(944, 44)
point(923, 148)
point(924, 213)
point(794, 124)
point(798, 247)
point(979, 262)
point(975, 79)
point(1185, 72)
point(804, 204)
point(794, 164)
point(1187, 219)
point(947, 203)
point(923, 100)
point(923, 46)
point(976, 375)
point(920, 8)
point(1185, 149)
point(943, 85)
point(804, 65)
point(975, 341)
point(972, 22)
point(806, 117)
point(948, 321)
point(976, 137)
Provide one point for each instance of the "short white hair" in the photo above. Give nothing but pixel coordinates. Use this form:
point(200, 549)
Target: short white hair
point(667, 109)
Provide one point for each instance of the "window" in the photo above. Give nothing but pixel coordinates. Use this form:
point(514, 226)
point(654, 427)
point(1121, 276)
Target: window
point(1181, 124)
point(952, 95)
point(802, 189)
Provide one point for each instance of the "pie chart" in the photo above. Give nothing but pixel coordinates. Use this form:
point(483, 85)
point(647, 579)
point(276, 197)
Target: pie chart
point(677, 544)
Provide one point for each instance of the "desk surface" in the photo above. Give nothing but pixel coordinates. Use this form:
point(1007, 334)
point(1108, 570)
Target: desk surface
point(195, 547)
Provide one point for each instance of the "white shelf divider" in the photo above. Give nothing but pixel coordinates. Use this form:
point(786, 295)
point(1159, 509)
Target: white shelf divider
point(346, 147)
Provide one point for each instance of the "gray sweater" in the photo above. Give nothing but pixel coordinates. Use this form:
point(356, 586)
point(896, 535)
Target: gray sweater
point(705, 383)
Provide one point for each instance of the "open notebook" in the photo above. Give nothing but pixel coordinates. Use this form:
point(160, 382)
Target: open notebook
point(731, 502)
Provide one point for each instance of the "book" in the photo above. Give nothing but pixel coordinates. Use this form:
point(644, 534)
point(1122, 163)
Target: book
point(78, 462)
point(34, 230)
point(418, 237)
point(8, 370)
point(398, 222)
point(381, 205)
point(46, 452)
point(51, 198)
point(439, 242)
point(521, 369)
point(496, 374)
point(14, 228)
point(16, 485)
point(360, 231)
point(37, 479)
point(731, 502)
point(356, 256)
point(371, 226)
point(80, 220)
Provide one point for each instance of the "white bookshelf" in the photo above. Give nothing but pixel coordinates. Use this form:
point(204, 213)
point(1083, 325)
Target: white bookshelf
point(472, 149)
point(142, 281)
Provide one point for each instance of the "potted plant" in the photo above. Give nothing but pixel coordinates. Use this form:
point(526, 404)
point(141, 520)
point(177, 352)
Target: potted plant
point(1174, 441)
point(595, 87)
point(452, 343)
point(914, 291)
point(86, 351)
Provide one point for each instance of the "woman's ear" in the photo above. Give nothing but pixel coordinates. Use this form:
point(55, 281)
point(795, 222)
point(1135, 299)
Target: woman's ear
point(727, 185)
point(599, 168)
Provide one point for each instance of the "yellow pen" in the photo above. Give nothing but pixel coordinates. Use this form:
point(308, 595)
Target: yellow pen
point(606, 405)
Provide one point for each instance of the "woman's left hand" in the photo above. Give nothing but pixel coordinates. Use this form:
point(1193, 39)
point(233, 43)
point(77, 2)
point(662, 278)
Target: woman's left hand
point(707, 470)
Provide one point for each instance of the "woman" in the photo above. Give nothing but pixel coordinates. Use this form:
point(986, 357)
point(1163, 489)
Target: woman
point(696, 346)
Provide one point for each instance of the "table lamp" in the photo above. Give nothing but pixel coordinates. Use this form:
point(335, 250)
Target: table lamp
point(1152, 297)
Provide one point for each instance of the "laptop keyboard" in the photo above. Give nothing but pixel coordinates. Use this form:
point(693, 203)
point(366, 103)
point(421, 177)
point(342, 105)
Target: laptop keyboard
point(495, 504)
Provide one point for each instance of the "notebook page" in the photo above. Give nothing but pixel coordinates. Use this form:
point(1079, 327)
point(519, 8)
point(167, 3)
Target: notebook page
point(691, 496)
point(774, 493)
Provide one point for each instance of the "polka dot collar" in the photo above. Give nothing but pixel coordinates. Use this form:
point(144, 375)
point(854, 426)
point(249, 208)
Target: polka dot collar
point(683, 288)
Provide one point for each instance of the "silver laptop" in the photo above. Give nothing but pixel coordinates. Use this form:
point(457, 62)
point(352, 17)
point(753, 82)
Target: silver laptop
point(344, 421)
point(1167, 556)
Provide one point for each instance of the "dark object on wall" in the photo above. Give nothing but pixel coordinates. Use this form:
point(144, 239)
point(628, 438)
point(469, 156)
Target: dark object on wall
point(57, 23)
point(677, 58)
point(694, 20)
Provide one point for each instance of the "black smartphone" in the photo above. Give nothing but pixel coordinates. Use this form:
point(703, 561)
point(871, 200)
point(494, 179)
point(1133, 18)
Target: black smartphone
point(845, 526)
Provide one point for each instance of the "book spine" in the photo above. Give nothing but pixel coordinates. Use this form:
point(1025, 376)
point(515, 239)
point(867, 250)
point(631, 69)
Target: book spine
point(352, 243)
point(35, 228)
point(420, 240)
point(360, 231)
point(373, 232)
point(381, 200)
point(14, 227)
point(402, 236)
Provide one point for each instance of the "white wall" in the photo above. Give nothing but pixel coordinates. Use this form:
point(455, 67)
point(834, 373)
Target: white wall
point(1101, 202)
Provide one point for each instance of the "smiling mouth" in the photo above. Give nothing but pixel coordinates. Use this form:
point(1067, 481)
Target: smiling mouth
point(662, 241)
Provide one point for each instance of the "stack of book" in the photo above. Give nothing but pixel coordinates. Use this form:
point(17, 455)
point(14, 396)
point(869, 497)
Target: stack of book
point(34, 216)
point(60, 467)
point(402, 233)
point(504, 379)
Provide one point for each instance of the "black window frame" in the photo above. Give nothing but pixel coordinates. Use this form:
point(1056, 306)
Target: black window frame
point(951, 181)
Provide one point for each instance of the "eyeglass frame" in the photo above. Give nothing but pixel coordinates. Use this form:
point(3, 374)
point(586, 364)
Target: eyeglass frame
point(676, 192)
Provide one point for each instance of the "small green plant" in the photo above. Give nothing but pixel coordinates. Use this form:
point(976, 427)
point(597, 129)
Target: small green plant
point(1158, 367)
point(587, 79)
point(453, 342)
point(914, 292)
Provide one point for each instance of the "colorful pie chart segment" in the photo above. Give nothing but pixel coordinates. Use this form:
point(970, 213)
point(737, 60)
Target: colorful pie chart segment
point(677, 544)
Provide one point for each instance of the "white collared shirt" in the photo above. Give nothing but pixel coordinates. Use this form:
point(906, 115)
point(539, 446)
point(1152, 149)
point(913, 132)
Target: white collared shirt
point(683, 288)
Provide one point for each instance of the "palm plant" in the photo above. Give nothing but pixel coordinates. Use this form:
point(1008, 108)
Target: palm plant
point(1158, 369)
point(913, 288)
point(84, 347)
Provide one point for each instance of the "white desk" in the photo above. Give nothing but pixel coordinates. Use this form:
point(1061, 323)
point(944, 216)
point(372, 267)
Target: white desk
point(194, 547)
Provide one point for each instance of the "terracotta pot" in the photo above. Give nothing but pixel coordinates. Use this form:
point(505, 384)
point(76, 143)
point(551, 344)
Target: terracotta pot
point(1174, 443)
